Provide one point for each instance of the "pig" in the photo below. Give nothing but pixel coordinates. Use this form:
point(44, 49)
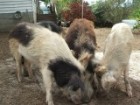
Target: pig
point(53, 27)
point(49, 51)
point(115, 61)
point(81, 39)
point(23, 64)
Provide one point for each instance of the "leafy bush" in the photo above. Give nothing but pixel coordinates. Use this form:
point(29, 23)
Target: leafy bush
point(75, 11)
point(136, 12)
point(111, 11)
point(61, 5)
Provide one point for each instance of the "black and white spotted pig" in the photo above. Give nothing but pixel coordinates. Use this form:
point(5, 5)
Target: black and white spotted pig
point(53, 27)
point(50, 53)
point(23, 64)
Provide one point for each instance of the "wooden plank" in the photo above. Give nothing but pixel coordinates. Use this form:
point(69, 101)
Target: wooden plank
point(46, 17)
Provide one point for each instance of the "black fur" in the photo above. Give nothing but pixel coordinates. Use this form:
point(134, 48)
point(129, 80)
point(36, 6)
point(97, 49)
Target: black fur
point(84, 47)
point(66, 73)
point(71, 38)
point(75, 83)
point(25, 71)
point(88, 47)
point(91, 67)
point(22, 34)
point(50, 24)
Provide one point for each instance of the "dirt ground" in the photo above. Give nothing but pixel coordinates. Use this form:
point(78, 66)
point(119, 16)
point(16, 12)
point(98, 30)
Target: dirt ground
point(29, 92)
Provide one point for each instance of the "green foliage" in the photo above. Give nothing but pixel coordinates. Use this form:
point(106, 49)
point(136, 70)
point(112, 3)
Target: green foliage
point(137, 26)
point(111, 11)
point(47, 1)
point(135, 11)
point(135, 14)
point(62, 5)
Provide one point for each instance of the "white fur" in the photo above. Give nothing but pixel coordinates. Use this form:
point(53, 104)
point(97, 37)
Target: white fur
point(116, 56)
point(14, 46)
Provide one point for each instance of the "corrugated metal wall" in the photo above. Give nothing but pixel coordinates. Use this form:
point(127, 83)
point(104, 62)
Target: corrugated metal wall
point(10, 6)
point(8, 9)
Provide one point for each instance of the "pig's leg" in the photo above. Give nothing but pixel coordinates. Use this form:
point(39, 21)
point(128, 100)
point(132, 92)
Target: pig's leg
point(127, 82)
point(47, 79)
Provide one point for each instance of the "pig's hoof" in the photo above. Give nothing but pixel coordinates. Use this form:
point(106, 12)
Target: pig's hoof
point(129, 93)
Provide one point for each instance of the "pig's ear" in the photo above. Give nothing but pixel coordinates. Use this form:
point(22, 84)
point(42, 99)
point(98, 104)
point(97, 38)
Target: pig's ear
point(64, 32)
point(100, 68)
point(85, 57)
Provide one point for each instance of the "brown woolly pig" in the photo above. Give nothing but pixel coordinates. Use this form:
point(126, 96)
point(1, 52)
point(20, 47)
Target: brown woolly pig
point(81, 37)
point(81, 40)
